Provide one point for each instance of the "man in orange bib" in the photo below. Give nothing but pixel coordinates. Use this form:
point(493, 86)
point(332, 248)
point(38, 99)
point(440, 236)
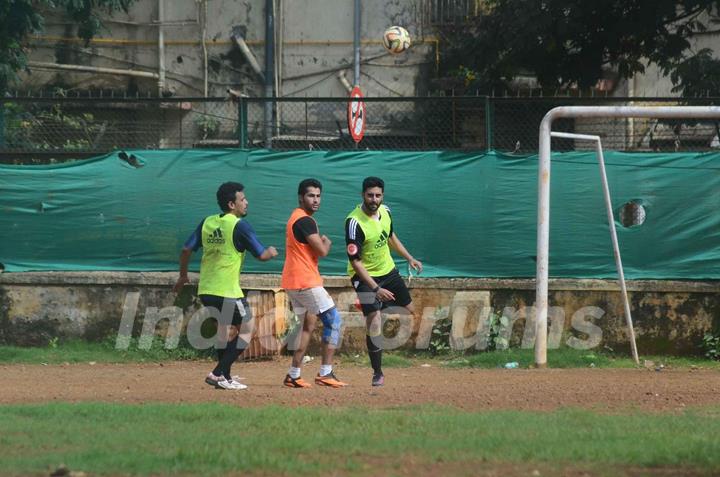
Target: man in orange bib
point(301, 279)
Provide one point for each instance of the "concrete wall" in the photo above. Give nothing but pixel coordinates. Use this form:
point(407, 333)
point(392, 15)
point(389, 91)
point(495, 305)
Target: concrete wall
point(315, 38)
point(653, 83)
point(670, 317)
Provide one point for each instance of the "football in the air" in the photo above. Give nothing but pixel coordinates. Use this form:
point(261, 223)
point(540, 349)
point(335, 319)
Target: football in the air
point(396, 39)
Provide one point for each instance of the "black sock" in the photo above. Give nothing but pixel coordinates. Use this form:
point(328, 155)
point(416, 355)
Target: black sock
point(218, 370)
point(375, 352)
point(229, 356)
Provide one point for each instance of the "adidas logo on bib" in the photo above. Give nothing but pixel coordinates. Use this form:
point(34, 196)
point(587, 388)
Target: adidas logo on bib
point(216, 237)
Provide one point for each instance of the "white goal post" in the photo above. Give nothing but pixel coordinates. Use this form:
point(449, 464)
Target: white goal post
point(543, 221)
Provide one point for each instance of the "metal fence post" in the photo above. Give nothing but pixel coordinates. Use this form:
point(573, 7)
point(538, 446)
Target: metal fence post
point(454, 126)
point(489, 123)
point(180, 131)
point(2, 125)
point(242, 123)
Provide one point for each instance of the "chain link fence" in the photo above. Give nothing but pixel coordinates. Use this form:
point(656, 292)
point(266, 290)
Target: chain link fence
point(41, 128)
point(62, 127)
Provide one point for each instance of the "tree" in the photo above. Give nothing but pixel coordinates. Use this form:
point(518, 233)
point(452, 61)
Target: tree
point(21, 18)
point(571, 42)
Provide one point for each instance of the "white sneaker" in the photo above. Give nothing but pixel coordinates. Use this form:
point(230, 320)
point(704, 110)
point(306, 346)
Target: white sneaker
point(221, 383)
point(230, 385)
point(237, 385)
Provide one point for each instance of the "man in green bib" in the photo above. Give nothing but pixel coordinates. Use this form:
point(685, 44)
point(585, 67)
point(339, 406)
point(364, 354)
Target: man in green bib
point(369, 236)
point(224, 238)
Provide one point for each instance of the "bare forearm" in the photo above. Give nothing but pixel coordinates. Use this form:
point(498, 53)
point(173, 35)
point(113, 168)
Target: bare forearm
point(326, 246)
point(363, 274)
point(398, 246)
point(319, 244)
point(269, 253)
point(185, 261)
point(183, 278)
point(381, 293)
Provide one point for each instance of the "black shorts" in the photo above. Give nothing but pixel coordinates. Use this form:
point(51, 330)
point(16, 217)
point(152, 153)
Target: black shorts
point(240, 309)
point(368, 299)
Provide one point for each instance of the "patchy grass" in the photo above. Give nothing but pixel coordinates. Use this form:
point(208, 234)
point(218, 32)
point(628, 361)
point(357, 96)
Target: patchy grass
point(390, 360)
point(102, 352)
point(164, 439)
point(566, 358)
point(105, 352)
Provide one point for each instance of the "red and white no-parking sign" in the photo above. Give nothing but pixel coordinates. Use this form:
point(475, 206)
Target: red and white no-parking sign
point(356, 114)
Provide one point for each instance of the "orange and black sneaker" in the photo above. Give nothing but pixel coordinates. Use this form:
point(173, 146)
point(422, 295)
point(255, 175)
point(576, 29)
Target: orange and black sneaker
point(296, 382)
point(329, 380)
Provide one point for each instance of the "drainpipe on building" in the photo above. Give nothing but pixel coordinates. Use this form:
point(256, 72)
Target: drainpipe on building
point(161, 47)
point(279, 40)
point(356, 43)
point(343, 80)
point(204, 47)
point(630, 121)
point(92, 69)
point(245, 50)
point(269, 74)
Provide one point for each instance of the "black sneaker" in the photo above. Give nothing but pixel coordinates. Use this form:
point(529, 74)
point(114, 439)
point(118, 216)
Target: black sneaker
point(295, 382)
point(329, 380)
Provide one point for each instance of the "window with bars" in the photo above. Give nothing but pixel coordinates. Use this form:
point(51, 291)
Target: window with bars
point(446, 12)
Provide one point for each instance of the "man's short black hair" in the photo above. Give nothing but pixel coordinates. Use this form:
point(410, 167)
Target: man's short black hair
point(226, 193)
point(372, 181)
point(304, 184)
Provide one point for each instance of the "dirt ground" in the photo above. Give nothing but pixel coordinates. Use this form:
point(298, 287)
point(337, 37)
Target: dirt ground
point(669, 390)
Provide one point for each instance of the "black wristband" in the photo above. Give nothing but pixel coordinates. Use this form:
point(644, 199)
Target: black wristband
point(376, 289)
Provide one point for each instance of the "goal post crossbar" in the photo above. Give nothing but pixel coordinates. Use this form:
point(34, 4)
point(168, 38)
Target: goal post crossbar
point(543, 220)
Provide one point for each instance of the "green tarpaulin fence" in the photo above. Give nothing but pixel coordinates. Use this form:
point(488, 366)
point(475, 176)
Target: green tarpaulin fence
point(462, 214)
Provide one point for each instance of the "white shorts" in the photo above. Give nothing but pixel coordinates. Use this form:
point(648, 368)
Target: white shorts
point(311, 300)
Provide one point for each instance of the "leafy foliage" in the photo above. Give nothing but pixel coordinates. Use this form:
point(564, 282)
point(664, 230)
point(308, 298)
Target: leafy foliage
point(208, 126)
point(21, 18)
point(42, 128)
point(441, 340)
point(573, 42)
point(698, 75)
point(711, 346)
point(440, 337)
point(497, 323)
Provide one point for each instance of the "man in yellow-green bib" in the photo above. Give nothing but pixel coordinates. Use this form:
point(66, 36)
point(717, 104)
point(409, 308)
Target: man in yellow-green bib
point(369, 236)
point(224, 238)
